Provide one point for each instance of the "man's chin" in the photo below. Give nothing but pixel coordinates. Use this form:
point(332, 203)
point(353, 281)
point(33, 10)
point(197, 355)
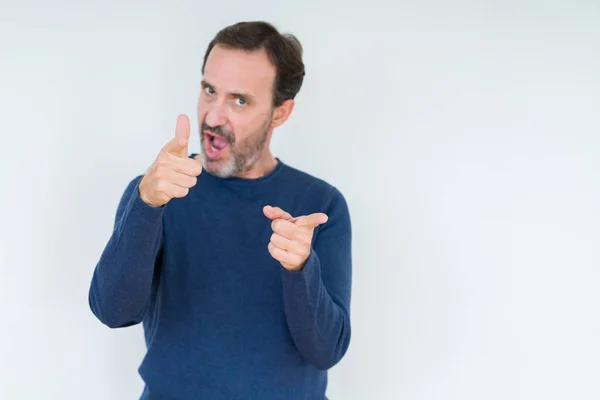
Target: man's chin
point(218, 167)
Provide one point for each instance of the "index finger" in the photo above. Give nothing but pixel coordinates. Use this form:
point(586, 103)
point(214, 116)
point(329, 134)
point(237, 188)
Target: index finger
point(187, 166)
point(311, 221)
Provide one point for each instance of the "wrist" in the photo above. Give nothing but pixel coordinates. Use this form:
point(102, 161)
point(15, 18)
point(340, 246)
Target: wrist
point(144, 198)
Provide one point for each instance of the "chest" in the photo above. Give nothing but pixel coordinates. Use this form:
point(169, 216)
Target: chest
point(215, 254)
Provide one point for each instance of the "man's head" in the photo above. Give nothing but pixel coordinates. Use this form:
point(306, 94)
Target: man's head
point(251, 75)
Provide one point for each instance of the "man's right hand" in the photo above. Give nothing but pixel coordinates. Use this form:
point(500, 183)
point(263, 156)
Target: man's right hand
point(173, 173)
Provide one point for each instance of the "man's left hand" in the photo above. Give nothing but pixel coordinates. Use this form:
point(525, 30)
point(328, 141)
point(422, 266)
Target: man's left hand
point(291, 240)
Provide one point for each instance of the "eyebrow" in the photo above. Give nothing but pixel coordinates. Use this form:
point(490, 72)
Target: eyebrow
point(241, 94)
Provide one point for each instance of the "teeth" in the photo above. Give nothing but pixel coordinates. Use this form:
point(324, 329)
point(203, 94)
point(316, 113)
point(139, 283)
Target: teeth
point(213, 148)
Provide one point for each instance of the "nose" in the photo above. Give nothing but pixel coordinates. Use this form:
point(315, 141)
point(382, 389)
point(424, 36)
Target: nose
point(215, 115)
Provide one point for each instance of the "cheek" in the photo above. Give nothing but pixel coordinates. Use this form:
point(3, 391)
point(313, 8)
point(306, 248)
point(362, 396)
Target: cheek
point(201, 115)
point(203, 104)
point(200, 105)
point(240, 126)
point(251, 124)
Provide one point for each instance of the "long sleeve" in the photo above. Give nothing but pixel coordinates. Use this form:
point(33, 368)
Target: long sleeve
point(317, 298)
point(122, 280)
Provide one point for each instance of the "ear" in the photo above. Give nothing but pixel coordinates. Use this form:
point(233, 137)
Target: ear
point(281, 113)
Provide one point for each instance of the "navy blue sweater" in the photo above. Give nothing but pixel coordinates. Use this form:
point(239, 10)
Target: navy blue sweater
point(222, 318)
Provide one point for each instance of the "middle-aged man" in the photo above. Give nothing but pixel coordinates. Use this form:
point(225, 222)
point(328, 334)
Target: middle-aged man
point(237, 264)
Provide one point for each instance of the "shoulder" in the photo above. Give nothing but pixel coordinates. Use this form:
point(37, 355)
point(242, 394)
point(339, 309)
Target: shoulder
point(316, 187)
point(306, 180)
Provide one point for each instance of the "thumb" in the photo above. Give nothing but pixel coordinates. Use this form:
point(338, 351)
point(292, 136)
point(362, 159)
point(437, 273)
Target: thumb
point(311, 221)
point(179, 145)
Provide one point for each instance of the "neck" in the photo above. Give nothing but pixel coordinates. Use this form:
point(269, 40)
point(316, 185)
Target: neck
point(264, 166)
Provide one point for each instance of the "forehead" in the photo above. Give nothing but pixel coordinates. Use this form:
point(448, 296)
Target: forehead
point(239, 70)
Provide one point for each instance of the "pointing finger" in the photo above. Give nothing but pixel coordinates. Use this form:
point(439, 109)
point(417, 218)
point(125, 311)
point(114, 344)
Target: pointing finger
point(311, 221)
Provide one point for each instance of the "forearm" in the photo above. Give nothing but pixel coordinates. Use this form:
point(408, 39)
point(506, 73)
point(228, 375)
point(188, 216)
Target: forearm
point(122, 280)
point(319, 323)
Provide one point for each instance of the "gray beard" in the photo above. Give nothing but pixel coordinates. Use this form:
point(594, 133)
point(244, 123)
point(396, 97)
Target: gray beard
point(241, 158)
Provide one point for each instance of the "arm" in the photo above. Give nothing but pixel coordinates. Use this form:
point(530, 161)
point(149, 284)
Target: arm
point(120, 288)
point(317, 298)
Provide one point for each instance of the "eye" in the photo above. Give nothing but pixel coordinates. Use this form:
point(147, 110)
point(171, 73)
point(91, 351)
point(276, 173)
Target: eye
point(241, 102)
point(209, 90)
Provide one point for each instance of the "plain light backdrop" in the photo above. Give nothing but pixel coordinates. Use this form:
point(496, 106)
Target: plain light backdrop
point(464, 135)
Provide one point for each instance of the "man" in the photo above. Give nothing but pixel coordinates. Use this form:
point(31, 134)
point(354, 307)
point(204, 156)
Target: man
point(237, 264)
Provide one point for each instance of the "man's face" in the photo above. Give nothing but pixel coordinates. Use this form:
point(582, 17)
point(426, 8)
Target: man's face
point(235, 110)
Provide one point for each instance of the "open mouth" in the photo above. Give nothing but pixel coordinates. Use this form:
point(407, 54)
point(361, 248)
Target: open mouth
point(214, 145)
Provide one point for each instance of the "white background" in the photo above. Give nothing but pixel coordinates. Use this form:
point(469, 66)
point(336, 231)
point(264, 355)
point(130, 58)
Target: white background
point(465, 137)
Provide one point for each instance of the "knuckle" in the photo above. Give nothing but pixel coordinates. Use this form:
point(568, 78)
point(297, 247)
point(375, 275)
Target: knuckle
point(195, 168)
point(181, 192)
point(162, 162)
point(151, 170)
point(164, 187)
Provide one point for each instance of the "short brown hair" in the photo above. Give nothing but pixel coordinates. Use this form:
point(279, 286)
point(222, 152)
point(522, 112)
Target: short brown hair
point(284, 51)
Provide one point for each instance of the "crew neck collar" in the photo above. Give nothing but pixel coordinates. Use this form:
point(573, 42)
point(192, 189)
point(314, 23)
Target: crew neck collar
point(247, 181)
